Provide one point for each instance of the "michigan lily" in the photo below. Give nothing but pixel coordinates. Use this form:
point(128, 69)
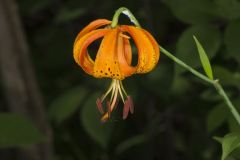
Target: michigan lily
point(114, 59)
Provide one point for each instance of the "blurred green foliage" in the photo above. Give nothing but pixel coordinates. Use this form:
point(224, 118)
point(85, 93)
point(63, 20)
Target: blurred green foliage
point(17, 131)
point(230, 143)
point(176, 115)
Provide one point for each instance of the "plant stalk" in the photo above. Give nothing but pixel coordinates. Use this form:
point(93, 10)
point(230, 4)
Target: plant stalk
point(215, 83)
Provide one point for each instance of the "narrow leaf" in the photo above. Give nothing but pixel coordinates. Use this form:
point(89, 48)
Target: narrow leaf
point(210, 38)
point(204, 59)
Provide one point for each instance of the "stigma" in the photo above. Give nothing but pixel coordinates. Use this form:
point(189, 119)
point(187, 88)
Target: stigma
point(115, 92)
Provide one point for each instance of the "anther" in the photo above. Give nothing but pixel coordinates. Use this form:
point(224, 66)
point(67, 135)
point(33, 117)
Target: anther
point(126, 109)
point(99, 105)
point(130, 104)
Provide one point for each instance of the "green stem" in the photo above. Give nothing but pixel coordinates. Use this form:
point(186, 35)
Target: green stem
point(221, 92)
point(215, 83)
point(126, 12)
point(184, 65)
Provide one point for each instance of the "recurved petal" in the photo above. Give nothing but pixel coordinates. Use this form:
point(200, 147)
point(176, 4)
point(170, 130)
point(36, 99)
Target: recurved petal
point(147, 53)
point(92, 26)
point(80, 53)
point(154, 43)
point(106, 62)
point(127, 51)
point(125, 56)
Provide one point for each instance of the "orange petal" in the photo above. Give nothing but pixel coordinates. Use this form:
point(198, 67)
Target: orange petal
point(80, 53)
point(147, 53)
point(154, 43)
point(106, 63)
point(92, 26)
point(127, 48)
point(125, 56)
point(127, 51)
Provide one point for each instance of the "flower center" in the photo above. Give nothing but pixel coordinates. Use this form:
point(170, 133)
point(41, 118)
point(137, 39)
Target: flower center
point(117, 90)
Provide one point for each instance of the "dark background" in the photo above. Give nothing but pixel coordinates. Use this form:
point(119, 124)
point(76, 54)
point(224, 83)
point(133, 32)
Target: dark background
point(47, 102)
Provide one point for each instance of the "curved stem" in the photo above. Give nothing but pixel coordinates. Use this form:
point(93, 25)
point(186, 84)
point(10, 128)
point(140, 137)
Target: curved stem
point(184, 65)
point(215, 83)
point(128, 13)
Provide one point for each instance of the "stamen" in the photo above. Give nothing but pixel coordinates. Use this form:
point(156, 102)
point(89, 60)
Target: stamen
point(99, 105)
point(113, 90)
point(116, 104)
point(124, 36)
point(126, 109)
point(130, 104)
point(114, 99)
point(109, 109)
point(124, 91)
point(117, 89)
point(108, 91)
point(120, 91)
point(104, 117)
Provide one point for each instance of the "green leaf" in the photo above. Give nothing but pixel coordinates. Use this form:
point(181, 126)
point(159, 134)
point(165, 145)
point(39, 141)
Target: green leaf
point(129, 143)
point(232, 38)
point(66, 104)
point(216, 117)
point(90, 118)
point(207, 34)
point(192, 11)
point(17, 131)
point(230, 142)
point(204, 59)
point(218, 139)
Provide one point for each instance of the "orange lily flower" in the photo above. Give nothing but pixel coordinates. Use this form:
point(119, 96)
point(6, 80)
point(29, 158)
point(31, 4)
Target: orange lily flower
point(114, 59)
